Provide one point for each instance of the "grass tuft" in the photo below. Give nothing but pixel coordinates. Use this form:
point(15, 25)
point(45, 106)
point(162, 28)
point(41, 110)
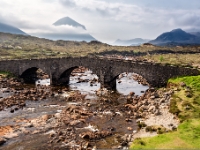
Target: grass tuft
point(5, 74)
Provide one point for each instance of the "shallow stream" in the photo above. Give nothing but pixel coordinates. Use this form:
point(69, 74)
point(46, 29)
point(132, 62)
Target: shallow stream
point(108, 113)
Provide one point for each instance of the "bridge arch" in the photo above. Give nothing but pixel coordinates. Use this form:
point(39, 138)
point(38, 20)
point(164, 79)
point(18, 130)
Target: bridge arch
point(110, 80)
point(32, 74)
point(64, 77)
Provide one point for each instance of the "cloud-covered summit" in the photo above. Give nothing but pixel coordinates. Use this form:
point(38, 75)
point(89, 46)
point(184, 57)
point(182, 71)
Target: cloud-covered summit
point(68, 21)
point(65, 29)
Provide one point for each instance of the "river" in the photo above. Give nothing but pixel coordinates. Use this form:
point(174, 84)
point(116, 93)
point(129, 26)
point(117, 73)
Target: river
point(106, 123)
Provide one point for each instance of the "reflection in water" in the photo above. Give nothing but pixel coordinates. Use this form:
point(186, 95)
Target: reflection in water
point(127, 84)
point(83, 83)
point(43, 82)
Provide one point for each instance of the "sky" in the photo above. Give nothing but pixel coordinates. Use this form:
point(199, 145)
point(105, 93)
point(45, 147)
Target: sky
point(106, 20)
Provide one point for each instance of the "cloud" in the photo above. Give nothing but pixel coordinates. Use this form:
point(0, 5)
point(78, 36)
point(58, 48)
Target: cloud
point(68, 3)
point(105, 12)
point(48, 1)
point(62, 32)
point(189, 20)
point(58, 29)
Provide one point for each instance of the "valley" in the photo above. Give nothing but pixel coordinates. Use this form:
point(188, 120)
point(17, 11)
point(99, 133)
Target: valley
point(83, 116)
point(99, 74)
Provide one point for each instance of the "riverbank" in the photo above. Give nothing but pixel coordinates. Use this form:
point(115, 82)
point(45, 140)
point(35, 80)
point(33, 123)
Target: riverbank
point(185, 105)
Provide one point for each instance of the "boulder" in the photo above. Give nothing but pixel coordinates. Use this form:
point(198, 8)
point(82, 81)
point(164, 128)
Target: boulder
point(10, 47)
point(2, 141)
point(182, 84)
point(152, 109)
point(18, 47)
point(129, 128)
point(46, 117)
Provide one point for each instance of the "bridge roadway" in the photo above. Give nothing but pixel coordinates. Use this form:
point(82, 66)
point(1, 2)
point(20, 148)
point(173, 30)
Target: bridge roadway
point(59, 69)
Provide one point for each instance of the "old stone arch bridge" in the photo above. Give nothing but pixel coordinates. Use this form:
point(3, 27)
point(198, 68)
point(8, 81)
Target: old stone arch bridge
point(59, 69)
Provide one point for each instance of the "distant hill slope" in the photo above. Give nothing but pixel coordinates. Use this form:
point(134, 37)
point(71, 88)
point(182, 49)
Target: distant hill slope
point(177, 37)
point(10, 29)
point(136, 41)
point(68, 37)
point(68, 21)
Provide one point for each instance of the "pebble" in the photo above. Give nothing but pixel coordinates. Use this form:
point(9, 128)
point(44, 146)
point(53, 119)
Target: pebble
point(46, 117)
point(129, 128)
point(57, 115)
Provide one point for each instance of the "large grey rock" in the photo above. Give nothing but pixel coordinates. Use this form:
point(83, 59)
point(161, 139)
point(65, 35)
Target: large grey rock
point(2, 141)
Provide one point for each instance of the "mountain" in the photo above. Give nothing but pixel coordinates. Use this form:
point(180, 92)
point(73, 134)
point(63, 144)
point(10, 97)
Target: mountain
point(176, 37)
point(133, 42)
point(10, 29)
point(74, 35)
point(68, 21)
point(195, 33)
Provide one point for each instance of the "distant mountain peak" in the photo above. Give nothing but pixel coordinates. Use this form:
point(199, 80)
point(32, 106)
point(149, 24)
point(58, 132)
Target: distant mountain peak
point(68, 21)
point(177, 36)
point(74, 35)
point(177, 30)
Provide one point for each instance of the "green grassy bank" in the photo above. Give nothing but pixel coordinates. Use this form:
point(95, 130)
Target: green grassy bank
point(4, 74)
point(185, 104)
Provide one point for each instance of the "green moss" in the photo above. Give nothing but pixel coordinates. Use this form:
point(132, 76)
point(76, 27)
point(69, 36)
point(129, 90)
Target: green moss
point(158, 129)
point(173, 107)
point(141, 124)
point(197, 100)
point(192, 81)
point(189, 107)
point(139, 141)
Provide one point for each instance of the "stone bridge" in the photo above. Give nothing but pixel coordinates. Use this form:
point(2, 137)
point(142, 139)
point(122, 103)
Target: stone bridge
point(59, 69)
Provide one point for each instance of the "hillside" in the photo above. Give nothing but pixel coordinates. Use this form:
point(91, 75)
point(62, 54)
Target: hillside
point(176, 37)
point(131, 42)
point(10, 29)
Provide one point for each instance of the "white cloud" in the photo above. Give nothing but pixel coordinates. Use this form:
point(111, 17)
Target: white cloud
point(57, 29)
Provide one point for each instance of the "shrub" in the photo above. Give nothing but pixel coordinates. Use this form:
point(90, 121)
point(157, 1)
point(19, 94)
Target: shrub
point(161, 58)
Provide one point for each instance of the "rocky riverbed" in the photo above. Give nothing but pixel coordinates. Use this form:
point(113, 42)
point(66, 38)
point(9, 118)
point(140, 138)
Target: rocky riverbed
point(45, 117)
